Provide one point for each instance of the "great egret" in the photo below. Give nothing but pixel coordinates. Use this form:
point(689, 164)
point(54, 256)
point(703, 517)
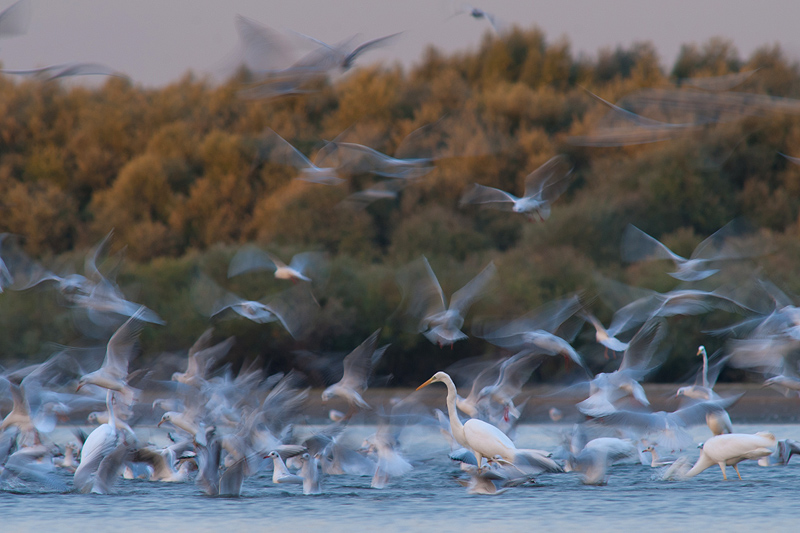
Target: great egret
point(731, 449)
point(484, 439)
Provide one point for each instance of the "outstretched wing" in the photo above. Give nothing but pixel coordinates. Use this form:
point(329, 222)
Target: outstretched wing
point(481, 194)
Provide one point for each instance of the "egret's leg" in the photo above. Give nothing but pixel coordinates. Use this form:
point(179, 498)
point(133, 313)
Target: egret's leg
point(722, 467)
point(479, 458)
point(736, 467)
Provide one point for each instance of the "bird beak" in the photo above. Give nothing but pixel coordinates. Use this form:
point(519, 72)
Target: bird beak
point(79, 387)
point(159, 424)
point(425, 384)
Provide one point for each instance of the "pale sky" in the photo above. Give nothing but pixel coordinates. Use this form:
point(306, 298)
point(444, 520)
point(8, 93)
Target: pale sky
point(157, 41)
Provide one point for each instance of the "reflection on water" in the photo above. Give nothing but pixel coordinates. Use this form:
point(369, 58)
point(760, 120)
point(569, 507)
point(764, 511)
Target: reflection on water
point(430, 499)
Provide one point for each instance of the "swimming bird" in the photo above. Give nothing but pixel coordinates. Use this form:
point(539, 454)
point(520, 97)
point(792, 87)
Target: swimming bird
point(597, 456)
point(484, 439)
point(718, 421)
point(542, 187)
point(654, 461)
point(281, 474)
point(31, 463)
point(731, 449)
point(311, 474)
point(102, 442)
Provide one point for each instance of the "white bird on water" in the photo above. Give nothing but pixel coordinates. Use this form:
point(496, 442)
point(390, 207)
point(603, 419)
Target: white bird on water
point(280, 473)
point(718, 421)
point(731, 449)
point(484, 439)
point(95, 474)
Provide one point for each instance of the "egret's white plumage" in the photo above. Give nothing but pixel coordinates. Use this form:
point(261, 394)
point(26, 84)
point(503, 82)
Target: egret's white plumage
point(731, 449)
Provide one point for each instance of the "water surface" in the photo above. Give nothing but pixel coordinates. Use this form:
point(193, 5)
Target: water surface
point(429, 498)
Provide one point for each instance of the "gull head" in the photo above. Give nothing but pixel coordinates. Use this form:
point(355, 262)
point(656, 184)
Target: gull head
point(165, 418)
point(327, 394)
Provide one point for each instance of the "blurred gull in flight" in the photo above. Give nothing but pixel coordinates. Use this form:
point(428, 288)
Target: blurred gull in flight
point(441, 324)
point(252, 258)
point(542, 187)
point(639, 246)
point(357, 368)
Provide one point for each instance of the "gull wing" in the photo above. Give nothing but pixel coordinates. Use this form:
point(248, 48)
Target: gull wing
point(14, 19)
point(421, 289)
point(251, 258)
point(358, 364)
point(265, 50)
point(643, 346)
point(464, 297)
point(639, 246)
point(548, 317)
point(295, 309)
point(363, 47)
point(304, 260)
point(124, 346)
point(65, 70)
point(549, 181)
point(719, 245)
point(726, 82)
point(284, 153)
point(481, 194)
point(516, 371)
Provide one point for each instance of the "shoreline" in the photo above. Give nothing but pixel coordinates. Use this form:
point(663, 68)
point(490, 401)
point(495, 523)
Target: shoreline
point(758, 404)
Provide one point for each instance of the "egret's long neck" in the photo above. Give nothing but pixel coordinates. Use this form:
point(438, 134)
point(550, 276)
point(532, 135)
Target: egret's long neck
point(705, 369)
point(112, 420)
point(455, 423)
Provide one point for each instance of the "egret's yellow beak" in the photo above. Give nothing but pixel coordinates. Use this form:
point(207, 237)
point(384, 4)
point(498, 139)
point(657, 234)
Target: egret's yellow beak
point(425, 384)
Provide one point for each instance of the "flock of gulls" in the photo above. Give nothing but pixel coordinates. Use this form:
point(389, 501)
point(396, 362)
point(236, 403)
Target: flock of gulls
point(223, 427)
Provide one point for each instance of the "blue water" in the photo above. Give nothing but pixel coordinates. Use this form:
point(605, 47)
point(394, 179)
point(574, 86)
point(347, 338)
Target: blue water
point(429, 498)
